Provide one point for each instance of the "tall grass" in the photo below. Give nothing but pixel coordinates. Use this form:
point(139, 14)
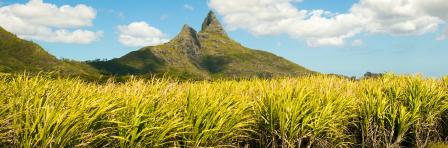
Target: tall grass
point(315, 111)
point(401, 110)
point(298, 116)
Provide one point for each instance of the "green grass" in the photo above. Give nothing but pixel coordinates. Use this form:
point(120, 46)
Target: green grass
point(314, 111)
point(438, 145)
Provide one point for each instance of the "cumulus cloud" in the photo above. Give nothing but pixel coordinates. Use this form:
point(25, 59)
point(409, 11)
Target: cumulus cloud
point(270, 17)
point(324, 28)
point(65, 36)
point(397, 17)
point(438, 8)
point(37, 20)
point(188, 7)
point(140, 34)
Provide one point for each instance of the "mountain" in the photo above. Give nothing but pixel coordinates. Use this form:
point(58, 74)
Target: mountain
point(17, 55)
point(207, 54)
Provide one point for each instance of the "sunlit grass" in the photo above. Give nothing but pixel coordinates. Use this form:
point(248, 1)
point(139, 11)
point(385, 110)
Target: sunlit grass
point(315, 111)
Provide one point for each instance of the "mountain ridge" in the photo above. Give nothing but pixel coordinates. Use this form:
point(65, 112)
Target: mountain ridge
point(209, 53)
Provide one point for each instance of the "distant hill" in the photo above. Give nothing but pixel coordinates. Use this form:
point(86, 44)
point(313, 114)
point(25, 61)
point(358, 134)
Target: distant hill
point(17, 55)
point(207, 54)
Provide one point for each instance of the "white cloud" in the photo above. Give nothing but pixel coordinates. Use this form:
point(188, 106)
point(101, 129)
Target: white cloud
point(140, 34)
point(397, 17)
point(65, 36)
point(188, 7)
point(323, 28)
point(438, 8)
point(37, 20)
point(270, 17)
point(357, 42)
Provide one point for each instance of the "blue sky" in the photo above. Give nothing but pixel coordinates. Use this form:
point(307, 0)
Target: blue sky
point(379, 48)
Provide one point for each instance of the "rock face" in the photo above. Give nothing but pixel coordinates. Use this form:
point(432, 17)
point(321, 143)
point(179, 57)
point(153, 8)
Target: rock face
point(188, 40)
point(211, 25)
point(211, 53)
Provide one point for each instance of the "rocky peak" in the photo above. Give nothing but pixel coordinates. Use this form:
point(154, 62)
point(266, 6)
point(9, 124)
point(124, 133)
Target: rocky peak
point(187, 41)
point(187, 32)
point(187, 36)
point(211, 25)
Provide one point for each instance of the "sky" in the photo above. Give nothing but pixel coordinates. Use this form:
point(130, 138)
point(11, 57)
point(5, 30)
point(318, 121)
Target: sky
point(348, 37)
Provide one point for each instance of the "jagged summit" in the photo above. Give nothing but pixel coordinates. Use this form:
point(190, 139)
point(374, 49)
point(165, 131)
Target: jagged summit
point(207, 54)
point(211, 25)
point(187, 32)
point(187, 36)
point(187, 40)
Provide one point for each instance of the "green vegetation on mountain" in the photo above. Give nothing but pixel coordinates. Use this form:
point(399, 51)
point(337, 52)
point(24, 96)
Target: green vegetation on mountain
point(17, 55)
point(207, 54)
